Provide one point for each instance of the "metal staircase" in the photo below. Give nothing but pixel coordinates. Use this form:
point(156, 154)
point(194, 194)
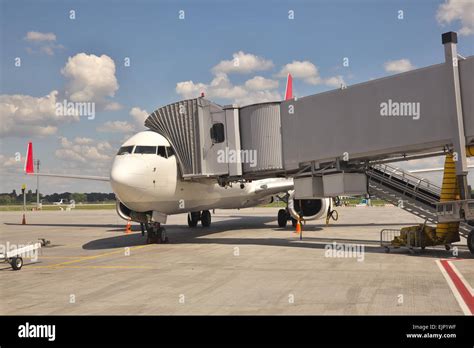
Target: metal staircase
point(407, 191)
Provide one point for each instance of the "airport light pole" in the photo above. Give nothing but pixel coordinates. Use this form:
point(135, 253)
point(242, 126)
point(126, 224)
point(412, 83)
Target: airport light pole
point(23, 190)
point(37, 162)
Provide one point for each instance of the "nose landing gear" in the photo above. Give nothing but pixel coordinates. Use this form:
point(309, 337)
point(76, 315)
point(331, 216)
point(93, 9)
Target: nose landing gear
point(156, 233)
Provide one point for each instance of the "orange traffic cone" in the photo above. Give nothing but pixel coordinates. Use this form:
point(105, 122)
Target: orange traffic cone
point(128, 229)
point(298, 226)
point(23, 221)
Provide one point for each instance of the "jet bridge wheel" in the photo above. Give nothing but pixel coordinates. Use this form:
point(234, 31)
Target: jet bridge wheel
point(16, 263)
point(470, 241)
point(282, 218)
point(205, 218)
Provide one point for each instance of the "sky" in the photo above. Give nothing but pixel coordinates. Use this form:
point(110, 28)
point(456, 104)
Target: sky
point(128, 58)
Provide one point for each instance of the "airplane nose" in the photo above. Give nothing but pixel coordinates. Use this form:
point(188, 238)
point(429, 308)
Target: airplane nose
point(127, 178)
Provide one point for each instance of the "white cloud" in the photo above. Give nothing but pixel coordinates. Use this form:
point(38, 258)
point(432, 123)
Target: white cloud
point(113, 106)
point(309, 73)
point(11, 170)
point(242, 63)
point(457, 10)
point(398, 66)
point(116, 127)
point(83, 141)
point(221, 88)
point(259, 97)
point(11, 162)
point(42, 42)
point(335, 81)
point(36, 36)
point(256, 89)
point(139, 116)
point(91, 79)
point(259, 83)
point(75, 152)
point(304, 70)
point(189, 89)
point(24, 115)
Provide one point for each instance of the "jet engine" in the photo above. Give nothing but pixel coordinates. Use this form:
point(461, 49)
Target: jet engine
point(308, 209)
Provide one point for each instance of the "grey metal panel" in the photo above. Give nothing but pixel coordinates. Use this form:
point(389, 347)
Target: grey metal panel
point(325, 126)
point(309, 187)
point(466, 71)
point(212, 164)
point(260, 131)
point(344, 184)
point(233, 137)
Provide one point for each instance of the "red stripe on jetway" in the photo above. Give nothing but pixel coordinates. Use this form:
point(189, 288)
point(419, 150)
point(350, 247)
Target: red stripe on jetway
point(460, 286)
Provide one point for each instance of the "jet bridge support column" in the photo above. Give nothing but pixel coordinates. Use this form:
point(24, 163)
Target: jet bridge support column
point(449, 41)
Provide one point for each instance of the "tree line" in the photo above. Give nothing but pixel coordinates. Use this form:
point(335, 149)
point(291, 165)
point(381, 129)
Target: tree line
point(15, 197)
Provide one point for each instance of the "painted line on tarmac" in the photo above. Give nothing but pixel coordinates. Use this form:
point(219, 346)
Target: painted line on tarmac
point(101, 267)
point(61, 264)
point(461, 289)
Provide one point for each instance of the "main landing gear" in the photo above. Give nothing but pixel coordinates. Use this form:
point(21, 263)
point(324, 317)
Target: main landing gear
point(155, 233)
point(196, 216)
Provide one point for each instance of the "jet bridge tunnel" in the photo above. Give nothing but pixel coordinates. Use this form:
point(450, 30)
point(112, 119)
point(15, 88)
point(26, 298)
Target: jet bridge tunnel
point(328, 141)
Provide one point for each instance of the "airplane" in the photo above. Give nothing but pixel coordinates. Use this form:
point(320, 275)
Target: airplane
point(60, 202)
point(145, 179)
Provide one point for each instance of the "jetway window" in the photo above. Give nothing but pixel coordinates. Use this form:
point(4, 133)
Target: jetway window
point(217, 133)
point(125, 150)
point(151, 150)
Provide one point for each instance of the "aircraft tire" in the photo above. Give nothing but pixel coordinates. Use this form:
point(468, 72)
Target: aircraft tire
point(470, 241)
point(282, 218)
point(205, 218)
point(191, 221)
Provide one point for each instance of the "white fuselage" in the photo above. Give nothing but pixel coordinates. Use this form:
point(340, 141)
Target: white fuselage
point(150, 182)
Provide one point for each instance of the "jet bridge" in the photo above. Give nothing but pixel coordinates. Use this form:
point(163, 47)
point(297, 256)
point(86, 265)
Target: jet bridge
point(417, 113)
point(332, 142)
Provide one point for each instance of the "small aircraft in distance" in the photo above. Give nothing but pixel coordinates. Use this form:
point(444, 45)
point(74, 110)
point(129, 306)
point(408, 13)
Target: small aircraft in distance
point(60, 202)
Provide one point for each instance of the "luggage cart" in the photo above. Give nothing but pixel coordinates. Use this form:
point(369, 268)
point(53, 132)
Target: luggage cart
point(414, 239)
point(14, 257)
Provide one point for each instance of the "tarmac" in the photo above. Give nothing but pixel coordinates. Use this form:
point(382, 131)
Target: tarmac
point(243, 264)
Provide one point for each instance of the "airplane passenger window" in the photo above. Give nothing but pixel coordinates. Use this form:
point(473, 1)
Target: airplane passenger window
point(162, 151)
point(146, 150)
point(170, 151)
point(125, 150)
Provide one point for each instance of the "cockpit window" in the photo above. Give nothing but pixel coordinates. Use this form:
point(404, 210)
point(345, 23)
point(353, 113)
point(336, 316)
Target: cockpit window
point(145, 149)
point(125, 150)
point(162, 151)
point(169, 151)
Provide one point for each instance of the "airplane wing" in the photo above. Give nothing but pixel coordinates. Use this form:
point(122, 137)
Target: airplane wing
point(273, 187)
point(29, 169)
